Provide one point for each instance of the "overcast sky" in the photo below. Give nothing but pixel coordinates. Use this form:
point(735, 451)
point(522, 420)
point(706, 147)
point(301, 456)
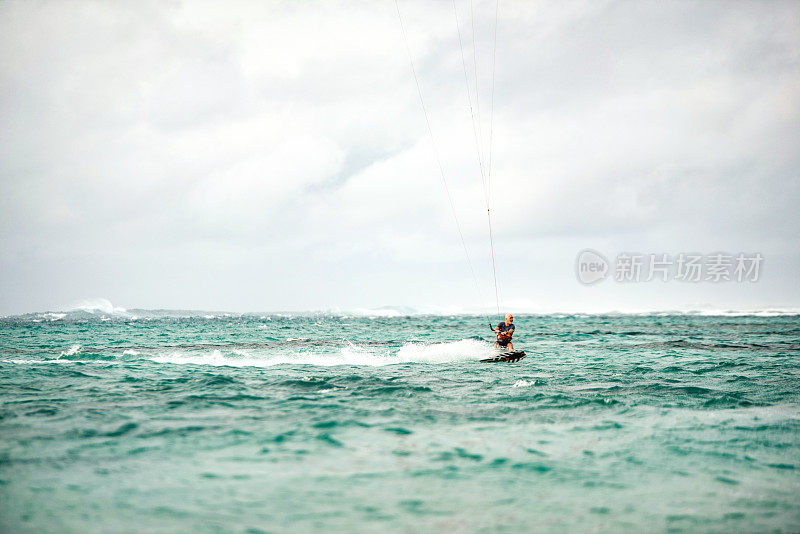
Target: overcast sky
point(259, 156)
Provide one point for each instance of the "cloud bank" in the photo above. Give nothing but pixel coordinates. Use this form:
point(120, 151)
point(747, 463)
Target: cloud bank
point(275, 157)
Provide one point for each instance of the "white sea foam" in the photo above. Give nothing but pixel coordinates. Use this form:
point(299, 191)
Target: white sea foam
point(97, 305)
point(464, 350)
point(217, 358)
point(73, 350)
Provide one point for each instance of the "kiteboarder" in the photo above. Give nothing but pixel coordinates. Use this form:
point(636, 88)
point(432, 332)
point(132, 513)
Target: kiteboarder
point(504, 331)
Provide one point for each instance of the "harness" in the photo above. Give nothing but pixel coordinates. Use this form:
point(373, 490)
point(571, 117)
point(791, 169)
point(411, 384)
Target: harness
point(502, 336)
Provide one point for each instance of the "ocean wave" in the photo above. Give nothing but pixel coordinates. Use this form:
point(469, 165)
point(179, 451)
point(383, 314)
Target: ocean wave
point(72, 351)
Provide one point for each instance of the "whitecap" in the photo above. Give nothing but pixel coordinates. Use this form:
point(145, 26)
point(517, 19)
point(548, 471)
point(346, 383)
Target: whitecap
point(97, 305)
point(73, 350)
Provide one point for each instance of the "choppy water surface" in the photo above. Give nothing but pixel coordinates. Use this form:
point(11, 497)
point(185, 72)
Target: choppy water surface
point(310, 422)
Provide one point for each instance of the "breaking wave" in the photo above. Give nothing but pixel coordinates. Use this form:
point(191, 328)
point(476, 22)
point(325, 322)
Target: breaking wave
point(100, 309)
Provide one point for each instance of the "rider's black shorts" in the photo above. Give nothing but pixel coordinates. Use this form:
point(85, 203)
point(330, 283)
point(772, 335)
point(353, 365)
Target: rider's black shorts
point(503, 342)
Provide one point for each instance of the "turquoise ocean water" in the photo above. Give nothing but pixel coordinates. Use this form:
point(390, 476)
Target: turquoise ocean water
point(168, 421)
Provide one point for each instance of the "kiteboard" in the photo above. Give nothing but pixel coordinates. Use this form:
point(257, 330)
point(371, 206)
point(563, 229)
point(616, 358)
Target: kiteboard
point(513, 356)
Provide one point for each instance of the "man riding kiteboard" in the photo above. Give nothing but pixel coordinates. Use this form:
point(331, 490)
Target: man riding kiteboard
point(504, 331)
